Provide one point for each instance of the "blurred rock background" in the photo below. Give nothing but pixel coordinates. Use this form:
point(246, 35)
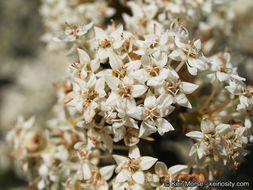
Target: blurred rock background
point(27, 72)
point(27, 69)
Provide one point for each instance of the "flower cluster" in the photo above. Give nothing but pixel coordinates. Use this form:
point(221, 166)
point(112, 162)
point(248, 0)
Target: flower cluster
point(126, 84)
point(56, 15)
point(219, 145)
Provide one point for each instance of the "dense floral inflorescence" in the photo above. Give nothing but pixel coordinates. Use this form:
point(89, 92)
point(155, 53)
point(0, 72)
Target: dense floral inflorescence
point(125, 84)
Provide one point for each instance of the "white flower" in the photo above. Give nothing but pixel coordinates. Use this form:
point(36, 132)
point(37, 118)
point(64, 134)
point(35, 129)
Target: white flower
point(125, 88)
point(221, 143)
point(177, 89)
point(189, 53)
point(89, 176)
point(56, 13)
point(85, 66)
point(74, 32)
point(86, 95)
point(132, 168)
point(152, 113)
point(153, 71)
point(246, 99)
point(201, 147)
point(234, 87)
point(107, 44)
point(142, 15)
point(222, 68)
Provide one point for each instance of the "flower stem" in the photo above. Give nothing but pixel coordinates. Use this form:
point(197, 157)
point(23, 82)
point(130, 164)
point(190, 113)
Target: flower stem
point(208, 100)
point(181, 64)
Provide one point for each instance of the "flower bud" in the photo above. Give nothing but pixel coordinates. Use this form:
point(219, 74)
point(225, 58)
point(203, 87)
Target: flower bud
point(33, 141)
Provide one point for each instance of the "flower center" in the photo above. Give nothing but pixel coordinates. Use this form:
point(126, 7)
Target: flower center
point(105, 44)
point(120, 74)
point(133, 164)
point(152, 114)
point(89, 96)
point(172, 87)
point(124, 90)
point(153, 70)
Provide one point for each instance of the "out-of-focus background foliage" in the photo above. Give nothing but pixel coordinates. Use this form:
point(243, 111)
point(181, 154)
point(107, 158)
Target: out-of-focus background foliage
point(27, 69)
point(27, 72)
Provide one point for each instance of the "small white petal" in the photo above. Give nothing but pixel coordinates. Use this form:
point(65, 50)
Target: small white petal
point(86, 171)
point(183, 101)
point(139, 177)
point(238, 77)
point(123, 176)
point(131, 123)
point(179, 43)
point(177, 55)
point(89, 114)
point(113, 82)
point(136, 112)
point(164, 38)
point(244, 101)
point(151, 11)
point(92, 81)
point(113, 99)
point(150, 101)
point(173, 74)
point(103, 54)
point(117, 33)
point(197, 44)
point(100, 33)
point(147, 129)
point(84, 73)
point(163, 62)
point(164, 126)
point(164, 102)
point(161, 168)
point(119, 134)
point(84, 57)
point(147, 162)
point(100, 86)
point(155, 81)
point(138, 90)
point(207, 126)
point(248, 123)
point(164, 73)
point(202, 150)
point(80, 124)
point(192, 70)
point(140, 75)
point(193, 149)
point(29, 123)
point(107, 171)
point(115, 61)
point(222, 76)
point(188, 88)
point(240, 131)
point(145, 60)
point(41, 184)
point(134, 152)
point(196, 62)
point(224, 129)
point(176, 169)
point(139, 52)
point(43, 170)
point(197, 135)
point(133, 66)
point(119, 159)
